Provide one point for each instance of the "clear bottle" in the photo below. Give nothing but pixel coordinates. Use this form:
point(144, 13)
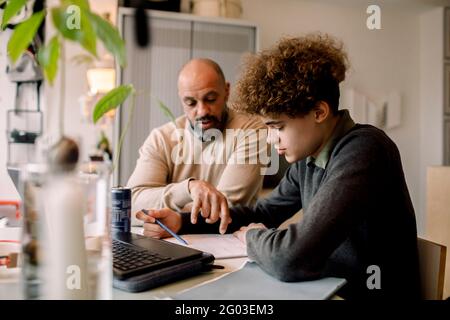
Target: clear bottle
point(95, 179)
point(66, 236)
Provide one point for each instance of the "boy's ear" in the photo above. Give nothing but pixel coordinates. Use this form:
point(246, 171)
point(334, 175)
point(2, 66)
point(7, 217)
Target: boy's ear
point(321, 111)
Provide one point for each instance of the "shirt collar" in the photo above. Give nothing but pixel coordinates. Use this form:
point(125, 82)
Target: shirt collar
point(344, 124)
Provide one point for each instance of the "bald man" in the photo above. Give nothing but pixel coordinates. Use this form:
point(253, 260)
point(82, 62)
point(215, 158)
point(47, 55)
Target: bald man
point(191, 165)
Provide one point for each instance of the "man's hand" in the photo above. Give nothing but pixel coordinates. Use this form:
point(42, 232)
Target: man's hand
point(242, 233)
point(212, 203)
point(168, 217)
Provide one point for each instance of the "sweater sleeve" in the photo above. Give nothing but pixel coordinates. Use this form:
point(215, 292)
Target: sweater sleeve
point(280, 205)
point(300, 252)
point(149, 179)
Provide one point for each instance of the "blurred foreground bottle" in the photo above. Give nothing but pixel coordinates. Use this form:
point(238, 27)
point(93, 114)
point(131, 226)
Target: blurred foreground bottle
point(66, 237)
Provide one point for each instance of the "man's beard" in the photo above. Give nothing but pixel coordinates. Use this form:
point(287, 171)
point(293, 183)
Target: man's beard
point(208, 134)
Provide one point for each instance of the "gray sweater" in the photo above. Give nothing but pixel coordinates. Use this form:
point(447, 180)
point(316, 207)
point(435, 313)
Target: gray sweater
point(357, 213)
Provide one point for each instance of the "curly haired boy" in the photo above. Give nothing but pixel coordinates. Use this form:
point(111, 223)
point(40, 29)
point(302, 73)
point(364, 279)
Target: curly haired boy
point(358, 220)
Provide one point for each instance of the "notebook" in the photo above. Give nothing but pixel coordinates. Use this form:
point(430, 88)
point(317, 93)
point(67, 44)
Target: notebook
point(252, 283)
point(224, 246)
point(141, 263)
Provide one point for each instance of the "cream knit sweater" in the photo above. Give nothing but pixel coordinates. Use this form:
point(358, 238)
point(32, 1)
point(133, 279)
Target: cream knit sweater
point(171, 156)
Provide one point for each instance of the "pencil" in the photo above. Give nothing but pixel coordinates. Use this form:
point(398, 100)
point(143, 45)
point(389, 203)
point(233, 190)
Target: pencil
point(162, 225)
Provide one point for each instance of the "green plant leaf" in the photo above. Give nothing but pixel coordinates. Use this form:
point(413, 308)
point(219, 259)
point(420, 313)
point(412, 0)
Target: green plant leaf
point(110, 37)
point(23, 35)
point(112, 100)
point(75, 26)
point(12, 8)
point(166, 110)
point(48, 58)
point(83, 58)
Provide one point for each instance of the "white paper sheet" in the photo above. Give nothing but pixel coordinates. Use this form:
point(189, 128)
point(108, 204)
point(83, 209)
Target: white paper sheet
point(221, 246)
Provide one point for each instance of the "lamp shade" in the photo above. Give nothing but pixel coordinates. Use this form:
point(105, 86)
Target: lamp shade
point(101, 80)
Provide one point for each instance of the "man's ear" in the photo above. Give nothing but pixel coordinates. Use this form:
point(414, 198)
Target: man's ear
point(321, 111)
point(227, 90)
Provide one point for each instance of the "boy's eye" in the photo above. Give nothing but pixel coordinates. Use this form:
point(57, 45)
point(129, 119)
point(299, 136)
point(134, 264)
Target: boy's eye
point(280, 128)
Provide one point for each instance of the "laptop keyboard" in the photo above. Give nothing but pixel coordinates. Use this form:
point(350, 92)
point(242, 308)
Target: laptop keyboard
point(128, 259)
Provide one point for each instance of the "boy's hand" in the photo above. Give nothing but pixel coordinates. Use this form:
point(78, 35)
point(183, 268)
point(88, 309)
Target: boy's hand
point(242, 233)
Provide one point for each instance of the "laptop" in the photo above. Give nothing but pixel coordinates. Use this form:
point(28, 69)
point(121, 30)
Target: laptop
point(141, 263)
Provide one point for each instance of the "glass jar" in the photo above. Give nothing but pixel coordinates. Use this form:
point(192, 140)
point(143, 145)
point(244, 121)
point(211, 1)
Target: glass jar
point(95, 178)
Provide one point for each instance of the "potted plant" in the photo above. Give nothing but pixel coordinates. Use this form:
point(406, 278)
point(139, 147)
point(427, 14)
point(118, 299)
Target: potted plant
point(74, 21)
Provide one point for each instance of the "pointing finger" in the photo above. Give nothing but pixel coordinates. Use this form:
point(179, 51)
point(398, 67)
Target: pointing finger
point(195, 210)
point(224, 217)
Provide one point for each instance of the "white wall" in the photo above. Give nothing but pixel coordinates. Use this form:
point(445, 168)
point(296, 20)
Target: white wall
point(431, 95)
point(381, 60)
